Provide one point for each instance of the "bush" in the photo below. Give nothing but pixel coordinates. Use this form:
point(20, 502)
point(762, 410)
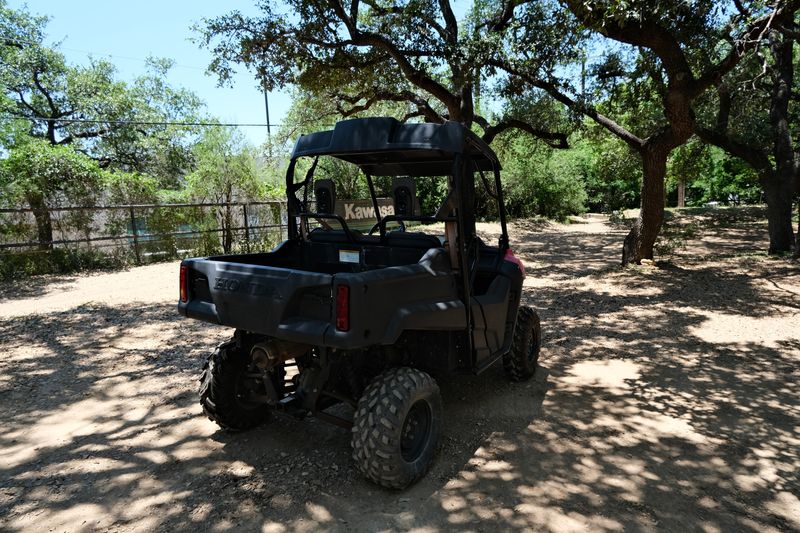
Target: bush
point(544, 182)
point(15, 265)
point(614, 182)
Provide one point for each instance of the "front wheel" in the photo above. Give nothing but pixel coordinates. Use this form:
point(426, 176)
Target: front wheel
point(520, 362)
point(397, 426)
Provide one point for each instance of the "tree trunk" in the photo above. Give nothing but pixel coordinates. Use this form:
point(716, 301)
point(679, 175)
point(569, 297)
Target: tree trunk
point(682, 193)
point(228, 244)
point(778, 193)
point(797, 235)
point(44, 224)
point(642, 237)
point(224, 228)
point(779, 185)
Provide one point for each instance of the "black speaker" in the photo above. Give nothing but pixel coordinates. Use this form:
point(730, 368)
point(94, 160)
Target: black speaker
point(404, 191)
point(325, 195)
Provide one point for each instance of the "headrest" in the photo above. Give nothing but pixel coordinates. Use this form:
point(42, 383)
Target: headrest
point(404, 192)
point(325, 195)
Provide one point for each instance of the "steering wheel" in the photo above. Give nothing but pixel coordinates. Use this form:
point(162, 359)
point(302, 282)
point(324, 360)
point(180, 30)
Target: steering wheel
point(378, 225)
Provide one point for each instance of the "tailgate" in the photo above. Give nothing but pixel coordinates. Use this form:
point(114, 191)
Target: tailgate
point(283, 302)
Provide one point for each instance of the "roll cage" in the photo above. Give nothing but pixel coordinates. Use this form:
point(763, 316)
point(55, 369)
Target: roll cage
point(385, 147)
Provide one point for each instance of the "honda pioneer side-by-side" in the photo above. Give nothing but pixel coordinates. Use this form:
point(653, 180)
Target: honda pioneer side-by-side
point(335, 315)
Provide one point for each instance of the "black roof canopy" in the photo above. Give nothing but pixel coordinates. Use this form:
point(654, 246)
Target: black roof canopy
point(385, 147)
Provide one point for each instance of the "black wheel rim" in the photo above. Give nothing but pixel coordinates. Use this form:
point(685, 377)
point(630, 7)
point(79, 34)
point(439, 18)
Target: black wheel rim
point(416, 429)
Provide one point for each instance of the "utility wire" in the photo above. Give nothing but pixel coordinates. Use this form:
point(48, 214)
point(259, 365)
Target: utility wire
point(142, 122)
point(89, 52)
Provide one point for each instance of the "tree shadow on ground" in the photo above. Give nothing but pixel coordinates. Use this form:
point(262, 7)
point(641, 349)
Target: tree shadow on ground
point(652, 422)
point(35, 286)
point(102, 424)
point(667, 401)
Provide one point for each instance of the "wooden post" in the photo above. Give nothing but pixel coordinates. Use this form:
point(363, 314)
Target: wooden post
point(135, 237)
point(246, 228)
point(681, 193)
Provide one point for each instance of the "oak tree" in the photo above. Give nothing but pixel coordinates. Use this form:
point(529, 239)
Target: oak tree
point(681, 49)
point(86, 109)
point(360, 52)
point(753, 115)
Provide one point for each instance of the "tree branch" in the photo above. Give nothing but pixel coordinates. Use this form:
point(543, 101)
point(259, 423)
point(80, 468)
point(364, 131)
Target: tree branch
point(633, 141)
point(504, 16)
point(755, 158)
point(30, 107)
point(742, 45)
point(553, 139)
point(413, 75)
point(411, 114)
point(44, 92)
point(643, 33)
point(450, 21)
point(740, 7)
point(371, 98)
point(90, 134)
point(725, 103)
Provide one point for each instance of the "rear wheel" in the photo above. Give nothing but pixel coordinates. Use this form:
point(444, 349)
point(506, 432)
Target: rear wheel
point(397, 426)
point(520, 362)
point(227, 393)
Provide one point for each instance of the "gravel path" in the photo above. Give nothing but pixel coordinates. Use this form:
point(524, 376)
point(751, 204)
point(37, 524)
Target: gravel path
point(146, 285)
point(666, 400)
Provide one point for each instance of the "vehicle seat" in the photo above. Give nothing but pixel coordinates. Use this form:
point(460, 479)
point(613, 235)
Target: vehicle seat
point(339, 236)
point(412, 240)
point(436, 261)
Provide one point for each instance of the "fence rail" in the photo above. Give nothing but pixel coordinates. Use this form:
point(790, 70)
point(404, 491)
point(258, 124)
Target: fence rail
point(242, 225)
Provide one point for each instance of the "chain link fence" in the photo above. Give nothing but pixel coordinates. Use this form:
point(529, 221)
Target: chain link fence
point(143, 233)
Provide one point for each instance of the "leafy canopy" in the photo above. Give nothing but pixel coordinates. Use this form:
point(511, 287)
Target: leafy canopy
point(359, 53)
point(116, 123)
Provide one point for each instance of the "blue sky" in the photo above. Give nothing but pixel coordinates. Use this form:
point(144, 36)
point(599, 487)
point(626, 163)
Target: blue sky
point(128, 32)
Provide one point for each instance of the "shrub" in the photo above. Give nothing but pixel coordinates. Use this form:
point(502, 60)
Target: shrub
point(15, 265)
point(544, 182)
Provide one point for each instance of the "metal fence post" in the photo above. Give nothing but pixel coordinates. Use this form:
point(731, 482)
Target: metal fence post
point(281, 225)
point(135, 237)
point(246, 228)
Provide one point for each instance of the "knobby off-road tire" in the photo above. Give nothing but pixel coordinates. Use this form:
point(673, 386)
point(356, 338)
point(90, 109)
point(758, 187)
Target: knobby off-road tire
point(396, 427)
point(220, 394)
point(520, 362)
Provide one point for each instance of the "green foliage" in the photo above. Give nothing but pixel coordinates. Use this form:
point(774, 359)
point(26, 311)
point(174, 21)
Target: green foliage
point(89, 150)
point(614, 182)
point(225, 172)
point(15, 265)
point(130, 188)
point(416, 57)
point(56, 175)
point(539, 181)
point(225, 169)
point(87, 107)
point(711, 176)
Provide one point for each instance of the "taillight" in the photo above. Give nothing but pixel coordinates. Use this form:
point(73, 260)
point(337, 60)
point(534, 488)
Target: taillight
point(511, 258)
point(184, 284)
point(343, 308)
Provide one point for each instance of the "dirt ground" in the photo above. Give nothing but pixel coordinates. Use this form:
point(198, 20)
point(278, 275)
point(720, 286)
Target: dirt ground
point(666, 399)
